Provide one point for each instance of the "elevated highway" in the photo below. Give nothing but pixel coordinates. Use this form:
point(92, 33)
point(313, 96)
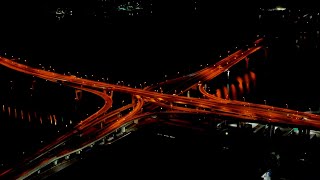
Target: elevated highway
point(104, 123)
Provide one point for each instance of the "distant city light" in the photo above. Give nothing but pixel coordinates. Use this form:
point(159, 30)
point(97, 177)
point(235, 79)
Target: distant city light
point(277, 8)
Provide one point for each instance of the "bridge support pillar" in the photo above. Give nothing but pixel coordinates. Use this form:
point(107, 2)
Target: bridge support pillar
point(271, 130)
point(247, 62)
point(228, 91)
point(109, 92)
point(123, 129)
point(78, 94)
point(133, 100)
point(55, 162)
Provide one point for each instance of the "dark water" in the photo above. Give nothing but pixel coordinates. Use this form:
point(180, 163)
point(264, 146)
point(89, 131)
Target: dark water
point(190, 155)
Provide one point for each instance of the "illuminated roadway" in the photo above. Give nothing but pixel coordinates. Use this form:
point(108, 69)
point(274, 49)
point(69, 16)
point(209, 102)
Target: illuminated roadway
point(148, 99)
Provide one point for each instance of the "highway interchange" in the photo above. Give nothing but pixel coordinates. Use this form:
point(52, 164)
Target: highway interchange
point(144, 103)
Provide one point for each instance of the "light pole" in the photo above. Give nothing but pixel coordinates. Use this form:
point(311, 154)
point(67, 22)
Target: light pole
point(287, 106)
point(244, 99)
point(265, 102)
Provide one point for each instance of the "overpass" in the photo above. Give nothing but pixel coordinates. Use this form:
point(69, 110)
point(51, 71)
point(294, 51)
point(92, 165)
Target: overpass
point(106, 126)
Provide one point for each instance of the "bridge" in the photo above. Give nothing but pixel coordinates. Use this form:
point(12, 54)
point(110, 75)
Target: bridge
point(164, 98)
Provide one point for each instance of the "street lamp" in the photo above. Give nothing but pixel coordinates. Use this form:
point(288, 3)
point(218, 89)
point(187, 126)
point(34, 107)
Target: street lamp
point(244, 99)
point(265, 102)
point(287, 106)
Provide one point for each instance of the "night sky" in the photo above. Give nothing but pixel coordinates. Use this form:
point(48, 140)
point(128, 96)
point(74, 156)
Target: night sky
point(171, 35)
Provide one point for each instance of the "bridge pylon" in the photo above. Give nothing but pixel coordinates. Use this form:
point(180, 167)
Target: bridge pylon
point(188, 93)
point(133, 100)
point(247, 62)
point(270, 130)
point(78, 93)
point(108, 91)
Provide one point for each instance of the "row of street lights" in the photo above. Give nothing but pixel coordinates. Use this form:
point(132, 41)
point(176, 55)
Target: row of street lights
point(265, 103)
